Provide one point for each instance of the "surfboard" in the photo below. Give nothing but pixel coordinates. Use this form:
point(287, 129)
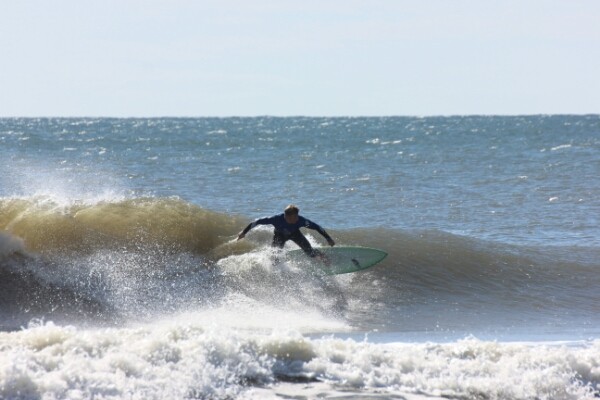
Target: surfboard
point(339, 260)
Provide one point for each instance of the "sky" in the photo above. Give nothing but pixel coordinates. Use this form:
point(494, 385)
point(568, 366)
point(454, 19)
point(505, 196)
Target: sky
point(151, 58)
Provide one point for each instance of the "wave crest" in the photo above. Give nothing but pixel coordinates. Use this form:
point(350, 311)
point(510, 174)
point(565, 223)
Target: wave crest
point(46, 226)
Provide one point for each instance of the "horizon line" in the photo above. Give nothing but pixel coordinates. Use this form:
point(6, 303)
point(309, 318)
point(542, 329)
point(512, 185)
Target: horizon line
point(300, 116)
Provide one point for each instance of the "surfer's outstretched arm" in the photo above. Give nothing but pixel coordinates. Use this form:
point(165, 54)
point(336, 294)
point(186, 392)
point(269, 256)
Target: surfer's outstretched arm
point(260, 221)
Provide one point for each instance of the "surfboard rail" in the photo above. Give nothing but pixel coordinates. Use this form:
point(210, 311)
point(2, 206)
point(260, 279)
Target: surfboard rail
point(340, 259)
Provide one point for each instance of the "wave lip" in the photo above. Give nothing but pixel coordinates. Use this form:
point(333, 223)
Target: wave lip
point(46, 226)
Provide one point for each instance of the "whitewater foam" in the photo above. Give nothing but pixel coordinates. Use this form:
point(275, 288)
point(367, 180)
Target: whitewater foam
point(237, 311)
point(192, 359)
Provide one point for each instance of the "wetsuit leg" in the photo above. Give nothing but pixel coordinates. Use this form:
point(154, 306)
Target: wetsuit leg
point(279, 240)
point(298, 238)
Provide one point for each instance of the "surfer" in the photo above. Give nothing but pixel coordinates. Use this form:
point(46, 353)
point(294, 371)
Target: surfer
point(287, 227)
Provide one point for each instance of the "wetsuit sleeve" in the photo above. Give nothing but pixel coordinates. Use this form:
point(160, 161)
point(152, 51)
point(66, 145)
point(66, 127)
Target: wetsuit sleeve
point(311, 225)
point(260, 221)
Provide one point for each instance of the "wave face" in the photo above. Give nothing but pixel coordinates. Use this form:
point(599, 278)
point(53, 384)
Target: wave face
point(138, 258)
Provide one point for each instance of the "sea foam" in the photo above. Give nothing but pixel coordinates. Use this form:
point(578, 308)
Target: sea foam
point(193, 359)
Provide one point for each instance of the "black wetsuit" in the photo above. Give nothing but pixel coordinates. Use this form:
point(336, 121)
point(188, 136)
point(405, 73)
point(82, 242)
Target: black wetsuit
point(285, 231)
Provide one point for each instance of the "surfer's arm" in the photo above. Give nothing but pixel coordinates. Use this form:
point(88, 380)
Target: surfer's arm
point(260, 221)
point(311, 225)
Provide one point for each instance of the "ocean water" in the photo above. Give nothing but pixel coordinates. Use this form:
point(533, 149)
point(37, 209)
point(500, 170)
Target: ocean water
point(120, 276)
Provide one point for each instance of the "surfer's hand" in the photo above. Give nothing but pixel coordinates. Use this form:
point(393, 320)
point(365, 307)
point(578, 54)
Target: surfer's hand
point(241, 236)
point(331, 242)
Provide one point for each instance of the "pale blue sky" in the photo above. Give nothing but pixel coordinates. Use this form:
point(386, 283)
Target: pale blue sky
point(339, 57)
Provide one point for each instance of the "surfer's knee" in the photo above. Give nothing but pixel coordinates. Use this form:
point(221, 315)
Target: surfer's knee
point(278, 241)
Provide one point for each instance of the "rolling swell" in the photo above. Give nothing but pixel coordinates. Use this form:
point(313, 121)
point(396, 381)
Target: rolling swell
point(433, 261)
point(437, 279)
point(108, 262)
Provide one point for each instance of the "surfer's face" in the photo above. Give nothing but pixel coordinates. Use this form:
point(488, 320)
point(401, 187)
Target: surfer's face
point(291, 219)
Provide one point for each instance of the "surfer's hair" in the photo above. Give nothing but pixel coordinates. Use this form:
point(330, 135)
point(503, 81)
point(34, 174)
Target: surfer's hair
point(292, 210)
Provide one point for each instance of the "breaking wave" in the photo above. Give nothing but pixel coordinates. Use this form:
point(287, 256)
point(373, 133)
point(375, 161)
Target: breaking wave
point(110, 262)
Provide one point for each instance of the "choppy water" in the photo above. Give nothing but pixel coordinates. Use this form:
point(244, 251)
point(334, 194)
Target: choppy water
point(117, 257)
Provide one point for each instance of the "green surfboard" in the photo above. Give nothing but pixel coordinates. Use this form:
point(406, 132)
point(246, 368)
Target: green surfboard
point(339, 260)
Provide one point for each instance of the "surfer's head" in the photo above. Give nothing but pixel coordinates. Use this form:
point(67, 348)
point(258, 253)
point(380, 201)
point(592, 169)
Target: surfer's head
point(291, 214)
